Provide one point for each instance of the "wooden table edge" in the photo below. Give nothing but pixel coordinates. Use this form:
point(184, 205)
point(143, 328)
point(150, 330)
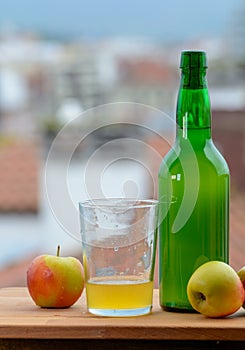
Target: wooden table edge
point(140, 328)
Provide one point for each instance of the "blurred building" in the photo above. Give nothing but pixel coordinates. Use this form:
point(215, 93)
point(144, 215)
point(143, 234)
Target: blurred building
point(229, 136)
point(77, 78)
point(237, 34)
point(145, 80)
point(45, 84)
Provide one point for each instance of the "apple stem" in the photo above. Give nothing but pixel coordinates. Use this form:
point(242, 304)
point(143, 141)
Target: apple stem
point(58, 250)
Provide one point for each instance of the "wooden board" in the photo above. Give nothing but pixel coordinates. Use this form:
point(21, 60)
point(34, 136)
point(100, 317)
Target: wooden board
point(20, 318)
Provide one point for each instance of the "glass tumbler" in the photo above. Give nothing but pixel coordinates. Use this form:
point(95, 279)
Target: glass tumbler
point(119, 238)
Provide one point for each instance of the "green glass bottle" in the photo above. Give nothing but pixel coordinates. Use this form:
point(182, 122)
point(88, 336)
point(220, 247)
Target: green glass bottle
point(193, 190)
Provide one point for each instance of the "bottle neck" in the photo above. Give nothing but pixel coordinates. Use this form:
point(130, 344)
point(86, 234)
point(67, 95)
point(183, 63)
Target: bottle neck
point(198, 138)
point(193, 105)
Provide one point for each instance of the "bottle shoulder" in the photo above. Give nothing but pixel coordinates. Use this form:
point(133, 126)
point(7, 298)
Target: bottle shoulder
point(215, 157)
point(170, 160)
point(207, 157)
point(170, 157)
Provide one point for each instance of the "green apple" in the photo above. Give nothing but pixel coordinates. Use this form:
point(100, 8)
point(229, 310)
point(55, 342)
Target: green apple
point(215, 289)
point(54, 281)
point(241, 274)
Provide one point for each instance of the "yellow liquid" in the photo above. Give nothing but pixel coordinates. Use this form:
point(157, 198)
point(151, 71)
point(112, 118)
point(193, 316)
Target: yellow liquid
point(119, 293)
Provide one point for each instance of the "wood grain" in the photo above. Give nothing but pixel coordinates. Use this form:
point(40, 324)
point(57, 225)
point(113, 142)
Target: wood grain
point(20, 318)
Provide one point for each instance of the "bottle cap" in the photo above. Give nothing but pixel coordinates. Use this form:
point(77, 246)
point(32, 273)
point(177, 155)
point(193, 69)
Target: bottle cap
point(193, 59)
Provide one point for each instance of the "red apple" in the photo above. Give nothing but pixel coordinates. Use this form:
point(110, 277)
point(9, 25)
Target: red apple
point(54, 281)
point(215, 289)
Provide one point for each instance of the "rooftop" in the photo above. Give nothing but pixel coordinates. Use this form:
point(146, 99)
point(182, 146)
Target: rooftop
point(18, 176)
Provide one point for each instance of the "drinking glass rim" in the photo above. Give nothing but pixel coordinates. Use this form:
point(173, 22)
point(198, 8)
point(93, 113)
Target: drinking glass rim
point(118, 202)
